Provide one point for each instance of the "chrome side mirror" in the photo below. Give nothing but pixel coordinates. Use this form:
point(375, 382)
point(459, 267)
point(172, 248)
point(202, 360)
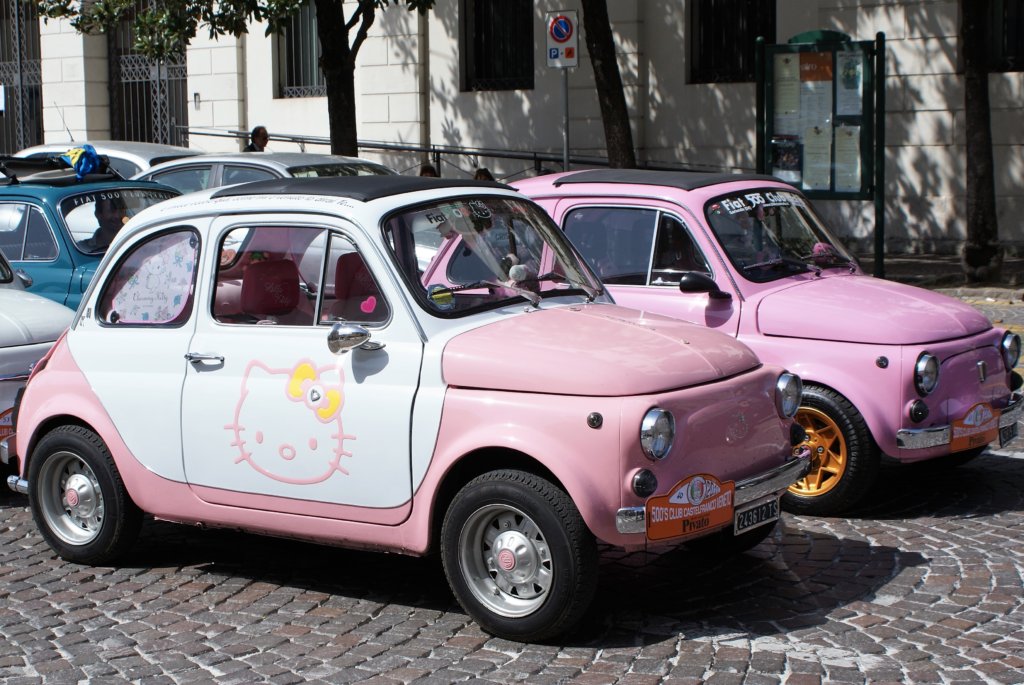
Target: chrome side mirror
point(25, 279)
point(345, 336)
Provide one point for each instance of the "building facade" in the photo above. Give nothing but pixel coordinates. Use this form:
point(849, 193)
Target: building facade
point(473, 74)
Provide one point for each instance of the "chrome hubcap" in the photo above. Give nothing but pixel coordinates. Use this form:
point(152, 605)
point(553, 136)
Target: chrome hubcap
point(70, 499)
point(505, 560)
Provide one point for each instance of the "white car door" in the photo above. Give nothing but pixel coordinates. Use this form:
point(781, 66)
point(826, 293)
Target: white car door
point(271, 418)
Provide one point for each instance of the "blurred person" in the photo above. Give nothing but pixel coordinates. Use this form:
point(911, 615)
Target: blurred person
point(258, 140)
point(429, 170)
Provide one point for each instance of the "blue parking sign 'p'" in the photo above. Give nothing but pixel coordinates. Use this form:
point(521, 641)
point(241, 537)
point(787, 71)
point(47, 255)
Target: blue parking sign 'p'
point(552, 53)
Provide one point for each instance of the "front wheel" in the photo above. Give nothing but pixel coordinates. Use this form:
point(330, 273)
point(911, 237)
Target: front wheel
point(78, 500)
point(844, 456)
point(518, 556)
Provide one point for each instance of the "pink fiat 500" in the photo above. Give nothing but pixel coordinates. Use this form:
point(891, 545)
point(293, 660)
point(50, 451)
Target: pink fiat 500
point(887, 368)
point(270, 357)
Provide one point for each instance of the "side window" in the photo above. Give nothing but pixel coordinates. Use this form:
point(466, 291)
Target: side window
point(243, 174)
point(269, 275)
point(496, 45)
point(723, 35)
point(186, 180)
point(39, 242)
point(154, 284)
point(615, 241)
point(351, 293)
point(12, 230)
point(675, 253)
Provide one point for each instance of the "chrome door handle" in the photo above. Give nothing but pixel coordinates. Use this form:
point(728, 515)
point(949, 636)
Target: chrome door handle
point(197, 357)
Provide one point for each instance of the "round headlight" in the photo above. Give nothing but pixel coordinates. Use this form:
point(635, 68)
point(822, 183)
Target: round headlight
point(926, 374)
point(1010, 347)
point(657, 431)
point(788, 390)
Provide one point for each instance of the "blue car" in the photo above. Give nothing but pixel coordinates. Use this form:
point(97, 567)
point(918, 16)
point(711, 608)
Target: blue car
point(55, 226)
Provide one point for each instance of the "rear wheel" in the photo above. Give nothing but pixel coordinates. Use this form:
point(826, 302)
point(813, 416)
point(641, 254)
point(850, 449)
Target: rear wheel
point(78, 500)
point(844, 456)
point(518, 556)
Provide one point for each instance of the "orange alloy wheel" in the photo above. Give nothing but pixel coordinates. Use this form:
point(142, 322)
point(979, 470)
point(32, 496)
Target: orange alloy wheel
point(828, 453)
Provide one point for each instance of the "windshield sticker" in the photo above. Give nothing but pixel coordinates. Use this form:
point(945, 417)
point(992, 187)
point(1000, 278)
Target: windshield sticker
point(118, 194)
point(287, 422)
point(749, 201)
point(480, 209)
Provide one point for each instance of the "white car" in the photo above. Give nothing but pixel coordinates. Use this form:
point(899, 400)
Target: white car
point(212, 170)
point(28, 326)
point(127, 157)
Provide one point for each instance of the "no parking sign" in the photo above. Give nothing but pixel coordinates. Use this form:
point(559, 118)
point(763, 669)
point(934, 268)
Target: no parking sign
point(562, 39)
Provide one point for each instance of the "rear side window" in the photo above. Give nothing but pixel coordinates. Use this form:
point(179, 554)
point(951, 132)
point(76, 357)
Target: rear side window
point(244, 174)
point(154, 284)
point(186, 180)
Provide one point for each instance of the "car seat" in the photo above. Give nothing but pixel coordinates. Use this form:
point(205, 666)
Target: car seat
point(271, 294)
point(357, 297)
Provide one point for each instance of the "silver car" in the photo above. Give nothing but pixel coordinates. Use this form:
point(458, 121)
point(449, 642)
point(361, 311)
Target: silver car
point(28, 326)
point(126, 157)
point(212, 170)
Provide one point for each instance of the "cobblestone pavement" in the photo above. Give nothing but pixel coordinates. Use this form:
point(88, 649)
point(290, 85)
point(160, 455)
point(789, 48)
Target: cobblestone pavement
point(924, 586)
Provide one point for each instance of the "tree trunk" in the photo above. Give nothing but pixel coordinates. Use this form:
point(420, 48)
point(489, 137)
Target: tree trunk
point(614, 115)
point(337, 61)
point(982, 257)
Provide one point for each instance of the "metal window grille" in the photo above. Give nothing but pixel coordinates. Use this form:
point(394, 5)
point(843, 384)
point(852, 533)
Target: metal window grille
point(21, 123)
point(298, 56)
point(1006, 35)
point(723, 34)
point(148, 98)
point(496, 44)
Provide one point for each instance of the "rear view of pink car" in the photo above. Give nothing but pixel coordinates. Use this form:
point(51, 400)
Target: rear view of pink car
point(887, 368)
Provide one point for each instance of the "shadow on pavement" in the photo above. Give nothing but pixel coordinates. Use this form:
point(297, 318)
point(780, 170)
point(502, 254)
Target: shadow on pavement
point(989, 484)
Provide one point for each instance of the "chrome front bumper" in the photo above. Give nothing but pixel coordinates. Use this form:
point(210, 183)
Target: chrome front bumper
point(938, 436)
point(632, 519)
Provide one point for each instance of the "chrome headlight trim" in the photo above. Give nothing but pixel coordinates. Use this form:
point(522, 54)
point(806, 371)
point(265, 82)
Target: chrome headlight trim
point(657, 432)
point(788, 393)
point(926, 374)
point(1009, 346)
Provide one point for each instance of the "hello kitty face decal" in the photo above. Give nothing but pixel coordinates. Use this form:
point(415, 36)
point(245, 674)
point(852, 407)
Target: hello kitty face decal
point(287, 422)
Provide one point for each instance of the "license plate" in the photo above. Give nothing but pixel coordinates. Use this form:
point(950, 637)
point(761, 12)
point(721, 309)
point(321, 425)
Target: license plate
point(1007, 433)
point(766, 512)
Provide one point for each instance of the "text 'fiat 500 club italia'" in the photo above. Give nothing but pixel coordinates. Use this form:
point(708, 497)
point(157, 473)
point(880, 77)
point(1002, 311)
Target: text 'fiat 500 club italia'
point(303, 377)
point(887, 368)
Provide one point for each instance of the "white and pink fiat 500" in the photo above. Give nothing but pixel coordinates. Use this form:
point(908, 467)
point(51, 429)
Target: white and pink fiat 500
point(271, 357)
point(887, 368)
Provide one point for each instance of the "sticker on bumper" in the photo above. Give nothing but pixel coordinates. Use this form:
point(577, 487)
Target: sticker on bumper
point(978, 427)
point(694, 506)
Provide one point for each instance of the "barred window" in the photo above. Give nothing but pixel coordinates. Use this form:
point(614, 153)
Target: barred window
point(496, 44)
point(723, 36)
point(1006, 35)
point(298, 56)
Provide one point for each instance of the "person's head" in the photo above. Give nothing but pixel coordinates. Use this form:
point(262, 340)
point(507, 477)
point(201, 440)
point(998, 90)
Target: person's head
point(483, 174)
point(259, 137)
point(110, 213)
point(429, 170)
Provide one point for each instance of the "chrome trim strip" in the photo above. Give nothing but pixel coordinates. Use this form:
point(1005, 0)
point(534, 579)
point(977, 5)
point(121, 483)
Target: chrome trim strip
point(631, 520)
point(6, 449)
point(16, 377)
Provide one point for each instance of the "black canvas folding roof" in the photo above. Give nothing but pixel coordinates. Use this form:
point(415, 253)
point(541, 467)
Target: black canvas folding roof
point(362, 188)
point(683, 180)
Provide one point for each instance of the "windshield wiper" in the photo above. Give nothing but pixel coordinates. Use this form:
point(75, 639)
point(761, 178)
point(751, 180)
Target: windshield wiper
point(781, 261)
point(529, 295)
point(592, 293)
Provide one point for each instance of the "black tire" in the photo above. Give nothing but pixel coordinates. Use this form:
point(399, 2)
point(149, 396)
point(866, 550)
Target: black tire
point(78, 500)
point(540, 590)
point(844, 456)
point(723, 544)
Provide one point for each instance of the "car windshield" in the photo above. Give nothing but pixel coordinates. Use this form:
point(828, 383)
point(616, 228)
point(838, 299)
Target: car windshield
point(488, 252)
point(770, 234)
point(93, 218)
point(340, 169)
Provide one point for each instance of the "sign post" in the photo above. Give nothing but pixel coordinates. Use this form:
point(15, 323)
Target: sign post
point(563, 53)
